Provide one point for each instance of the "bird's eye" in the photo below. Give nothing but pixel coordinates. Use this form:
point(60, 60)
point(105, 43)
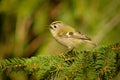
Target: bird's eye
point(55, 26)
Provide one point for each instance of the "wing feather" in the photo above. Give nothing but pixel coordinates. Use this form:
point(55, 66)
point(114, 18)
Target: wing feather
point(77, 35)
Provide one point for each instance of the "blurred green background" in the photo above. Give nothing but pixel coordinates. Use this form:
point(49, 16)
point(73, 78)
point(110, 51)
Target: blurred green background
point(24, 24)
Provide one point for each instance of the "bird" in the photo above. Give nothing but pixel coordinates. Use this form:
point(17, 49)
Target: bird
point(67, 35)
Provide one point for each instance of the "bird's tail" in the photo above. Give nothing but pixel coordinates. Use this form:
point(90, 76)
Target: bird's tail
point(92, 42)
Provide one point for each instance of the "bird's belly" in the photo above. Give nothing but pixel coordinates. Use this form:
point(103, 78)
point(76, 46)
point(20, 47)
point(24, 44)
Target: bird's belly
point(69, 42)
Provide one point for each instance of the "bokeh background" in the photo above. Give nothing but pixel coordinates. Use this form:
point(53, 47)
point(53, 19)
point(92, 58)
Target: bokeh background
point(24, 25)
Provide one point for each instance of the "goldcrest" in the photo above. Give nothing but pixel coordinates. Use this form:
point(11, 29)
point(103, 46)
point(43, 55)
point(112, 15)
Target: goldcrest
point(67, 36)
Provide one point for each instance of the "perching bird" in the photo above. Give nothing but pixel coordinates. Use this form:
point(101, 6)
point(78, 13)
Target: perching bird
point(68, 36)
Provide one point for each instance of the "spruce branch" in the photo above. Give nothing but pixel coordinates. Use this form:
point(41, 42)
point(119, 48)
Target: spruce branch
point(102, 63)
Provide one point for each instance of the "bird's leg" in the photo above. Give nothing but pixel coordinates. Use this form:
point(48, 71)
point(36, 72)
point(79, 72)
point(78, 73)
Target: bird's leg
point(70, 57)
point(70, 50)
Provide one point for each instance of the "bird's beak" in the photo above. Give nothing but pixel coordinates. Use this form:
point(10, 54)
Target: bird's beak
point(50, 27)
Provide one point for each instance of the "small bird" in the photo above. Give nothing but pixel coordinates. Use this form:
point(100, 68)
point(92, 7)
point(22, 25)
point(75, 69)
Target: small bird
point(68, 36)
